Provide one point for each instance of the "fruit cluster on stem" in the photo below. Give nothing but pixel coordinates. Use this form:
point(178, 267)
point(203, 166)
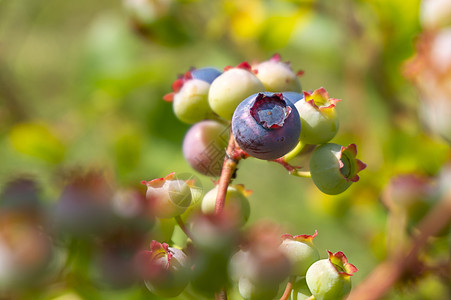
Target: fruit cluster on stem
point(254, 111)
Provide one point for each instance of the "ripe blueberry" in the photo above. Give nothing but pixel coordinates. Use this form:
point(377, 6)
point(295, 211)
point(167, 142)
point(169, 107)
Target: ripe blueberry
point(293, 96)
point(266, 125)
point(207, 74)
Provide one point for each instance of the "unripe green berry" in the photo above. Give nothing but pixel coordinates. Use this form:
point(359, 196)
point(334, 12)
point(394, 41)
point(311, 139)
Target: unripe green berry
point(330, 279)
point(165, 270)
point(319, 120)
point(168, 197)
point(251, 291)
point(237, 265)
point(232, 87)
point(301, 252)
point(277, 76)
point(334, 168)
point(300, 290)
point(235, 201)
point(190, 104)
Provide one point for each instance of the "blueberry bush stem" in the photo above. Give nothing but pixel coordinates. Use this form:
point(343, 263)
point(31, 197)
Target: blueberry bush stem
point(221, 295)
point(233, 155)
point(182, 226)
point(295, 151)
point(292, 169)
point(384, 276)
point(288, 288)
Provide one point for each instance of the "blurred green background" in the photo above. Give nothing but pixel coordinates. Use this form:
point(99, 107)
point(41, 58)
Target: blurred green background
point(81, 87)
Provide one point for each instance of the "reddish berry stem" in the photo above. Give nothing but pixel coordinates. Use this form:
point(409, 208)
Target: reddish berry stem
point(288, 289)
point(221, 295)
point(233, 155)
point(387, 273)
point(291, 169)
point(182, 226)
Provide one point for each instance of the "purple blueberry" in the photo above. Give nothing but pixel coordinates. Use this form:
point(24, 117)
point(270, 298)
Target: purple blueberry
point(293, 96)
point(207, 74)
point(266, 125)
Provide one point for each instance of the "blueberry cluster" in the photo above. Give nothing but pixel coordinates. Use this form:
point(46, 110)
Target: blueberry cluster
point(255, 111)
point(271, 118)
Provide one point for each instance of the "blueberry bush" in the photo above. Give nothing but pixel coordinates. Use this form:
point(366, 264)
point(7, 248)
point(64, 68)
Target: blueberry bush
point(170, 149)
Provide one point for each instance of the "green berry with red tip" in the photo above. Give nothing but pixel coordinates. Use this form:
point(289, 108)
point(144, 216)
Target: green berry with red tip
point(165, 270)
point(301, 252)
point(231, 87)
point(190, 99)
point(334, 168)
point(235, 201)
point(330, 279)
point(168, 197)
point(277, 76)
point(318, 117)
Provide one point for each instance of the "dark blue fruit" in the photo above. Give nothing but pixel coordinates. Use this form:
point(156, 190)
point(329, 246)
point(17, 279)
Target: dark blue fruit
point(207, 74)
point(293, 97)
point(266, 125)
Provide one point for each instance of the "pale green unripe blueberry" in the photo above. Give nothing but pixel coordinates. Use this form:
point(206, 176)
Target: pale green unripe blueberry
point(277, 76)
point(190, 103)
point(301, 252)
point(319, 122)
point(334, 168)
point(232, 87)
point(168, 197)
point(165, 270)
point(251, 291)
point(196, 200)
point(235, 201)
point(330, 279)
point(300, 290)
point(237, 265)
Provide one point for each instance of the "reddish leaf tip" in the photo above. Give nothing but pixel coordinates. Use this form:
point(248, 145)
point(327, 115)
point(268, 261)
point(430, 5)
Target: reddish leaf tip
point(168, 97)
point(276, 57)
point(245, 65)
